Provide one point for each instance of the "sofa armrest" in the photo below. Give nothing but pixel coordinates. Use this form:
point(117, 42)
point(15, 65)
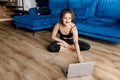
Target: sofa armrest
point(33, 11)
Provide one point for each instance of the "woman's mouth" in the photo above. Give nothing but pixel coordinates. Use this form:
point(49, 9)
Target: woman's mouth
point(66, 22)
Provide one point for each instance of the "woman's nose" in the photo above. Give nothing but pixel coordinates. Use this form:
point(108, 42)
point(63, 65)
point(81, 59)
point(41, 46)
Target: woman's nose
point(67, 19)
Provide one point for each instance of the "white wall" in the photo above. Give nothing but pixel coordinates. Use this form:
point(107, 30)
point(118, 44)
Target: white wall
point(27, 4)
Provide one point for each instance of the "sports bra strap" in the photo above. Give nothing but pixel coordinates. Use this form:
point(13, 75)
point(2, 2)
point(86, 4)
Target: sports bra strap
point(71, 28)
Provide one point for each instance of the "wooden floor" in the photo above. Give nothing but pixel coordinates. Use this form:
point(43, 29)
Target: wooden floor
point(25, 57)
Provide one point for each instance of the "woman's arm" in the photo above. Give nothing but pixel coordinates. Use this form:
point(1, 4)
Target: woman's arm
point(75, 40)
point(54, 36)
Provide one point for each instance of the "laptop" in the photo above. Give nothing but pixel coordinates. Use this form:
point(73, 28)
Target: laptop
point(79, 69)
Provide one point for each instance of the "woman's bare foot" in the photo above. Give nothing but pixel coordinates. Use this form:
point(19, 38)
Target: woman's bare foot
point(63, 49)
point(72, 47)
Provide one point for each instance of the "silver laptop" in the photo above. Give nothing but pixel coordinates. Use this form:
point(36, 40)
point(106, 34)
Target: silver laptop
point(79, 69)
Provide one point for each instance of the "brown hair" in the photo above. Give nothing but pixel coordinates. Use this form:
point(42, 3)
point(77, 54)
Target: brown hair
point(64, 11)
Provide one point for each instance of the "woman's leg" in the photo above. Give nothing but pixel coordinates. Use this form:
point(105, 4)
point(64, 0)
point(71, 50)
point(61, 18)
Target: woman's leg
point(83, 45)
point(54, 47)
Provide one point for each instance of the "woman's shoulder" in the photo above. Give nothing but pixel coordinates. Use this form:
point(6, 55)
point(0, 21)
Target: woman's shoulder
point(73, 24)
point(73, 27)
point(57, 24)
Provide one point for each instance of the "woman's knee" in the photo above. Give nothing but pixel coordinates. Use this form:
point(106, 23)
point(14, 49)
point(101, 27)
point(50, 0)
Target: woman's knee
point(84, 45)
point(54, 47)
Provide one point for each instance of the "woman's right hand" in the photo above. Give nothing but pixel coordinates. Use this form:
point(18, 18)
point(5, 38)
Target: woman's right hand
point(80, 60)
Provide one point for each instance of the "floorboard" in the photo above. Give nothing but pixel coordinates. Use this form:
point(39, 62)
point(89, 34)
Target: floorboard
point(25, 57)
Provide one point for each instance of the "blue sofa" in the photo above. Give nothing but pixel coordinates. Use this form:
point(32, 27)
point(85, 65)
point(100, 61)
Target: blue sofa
point(95, 18)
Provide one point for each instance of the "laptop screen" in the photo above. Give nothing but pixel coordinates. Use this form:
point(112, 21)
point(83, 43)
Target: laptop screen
point(79, 69)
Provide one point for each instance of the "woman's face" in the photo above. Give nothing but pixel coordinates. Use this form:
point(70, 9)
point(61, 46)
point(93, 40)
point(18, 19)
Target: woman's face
point(67, 18)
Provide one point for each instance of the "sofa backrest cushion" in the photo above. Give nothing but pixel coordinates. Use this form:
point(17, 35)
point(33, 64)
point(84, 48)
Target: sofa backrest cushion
point(33, 11)
point(83, 8)
point(108, 8)
point(56, 6)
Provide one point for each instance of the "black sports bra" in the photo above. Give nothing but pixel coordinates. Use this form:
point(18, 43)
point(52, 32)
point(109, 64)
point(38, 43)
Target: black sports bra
point(62, 36)
point(68, 36)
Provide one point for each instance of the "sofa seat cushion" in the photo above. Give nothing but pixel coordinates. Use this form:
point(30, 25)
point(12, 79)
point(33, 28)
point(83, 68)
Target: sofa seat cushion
point(34, 20)
point(83, 8)
point(99, 28)
point(103, 19)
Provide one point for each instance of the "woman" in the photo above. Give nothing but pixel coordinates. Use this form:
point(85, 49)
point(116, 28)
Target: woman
point(68, 35)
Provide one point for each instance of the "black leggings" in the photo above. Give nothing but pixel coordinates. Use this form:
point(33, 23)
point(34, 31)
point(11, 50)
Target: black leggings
point(54, 47)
